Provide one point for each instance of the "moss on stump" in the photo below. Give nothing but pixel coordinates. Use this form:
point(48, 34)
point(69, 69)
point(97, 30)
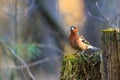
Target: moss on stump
point(81, 67)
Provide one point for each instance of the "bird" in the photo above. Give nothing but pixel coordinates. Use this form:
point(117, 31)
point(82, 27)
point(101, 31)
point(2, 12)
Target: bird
point(78, 42)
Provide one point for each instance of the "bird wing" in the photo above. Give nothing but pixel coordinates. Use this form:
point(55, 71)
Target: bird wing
point(84, 40)
point(81, 44)
point(89, 46)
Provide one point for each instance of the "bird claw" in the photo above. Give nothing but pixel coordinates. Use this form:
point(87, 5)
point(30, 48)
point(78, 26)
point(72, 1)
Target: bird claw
point(82, 55)
point(82, 52)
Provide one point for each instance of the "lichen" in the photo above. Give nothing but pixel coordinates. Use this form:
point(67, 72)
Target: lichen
point(109, 29)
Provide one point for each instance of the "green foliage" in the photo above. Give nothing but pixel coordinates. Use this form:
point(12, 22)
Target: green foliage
point(81, 67)
point(28, 52)
point(33, 51)
point(25, 51)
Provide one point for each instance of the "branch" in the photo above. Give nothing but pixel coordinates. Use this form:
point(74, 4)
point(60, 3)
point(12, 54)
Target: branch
point(106, 18)
point(101, 19)
point(115, 18)
point(35, 63)
point(6, 44)
point(23, 62)
point(2, 42)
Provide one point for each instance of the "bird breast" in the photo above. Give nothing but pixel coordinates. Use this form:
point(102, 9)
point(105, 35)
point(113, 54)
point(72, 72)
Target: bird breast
point(77, 43)
point(81, 44)
point(73, 42)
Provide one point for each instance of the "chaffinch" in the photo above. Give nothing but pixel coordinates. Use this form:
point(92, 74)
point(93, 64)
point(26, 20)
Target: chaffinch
point(78, 42)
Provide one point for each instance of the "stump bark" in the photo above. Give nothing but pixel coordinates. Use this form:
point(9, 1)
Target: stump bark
point(110, 67)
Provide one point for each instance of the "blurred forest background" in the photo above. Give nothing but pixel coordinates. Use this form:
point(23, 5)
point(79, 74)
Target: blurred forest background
point(34, 33)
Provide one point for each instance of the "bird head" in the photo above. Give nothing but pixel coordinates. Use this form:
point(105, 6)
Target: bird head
point(74, 29)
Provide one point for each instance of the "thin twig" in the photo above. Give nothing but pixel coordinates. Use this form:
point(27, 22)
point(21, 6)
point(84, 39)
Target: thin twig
point(38, 45)
point(23, 74)
point(101, 19)
point(35, 63)
point(107, 19)
point(115, 18)
point(23, 62)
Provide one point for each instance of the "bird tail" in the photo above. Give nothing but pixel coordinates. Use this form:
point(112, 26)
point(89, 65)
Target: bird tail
point(93, 48)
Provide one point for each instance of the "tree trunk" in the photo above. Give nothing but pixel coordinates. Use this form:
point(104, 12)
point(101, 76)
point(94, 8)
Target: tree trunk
point(111, 54)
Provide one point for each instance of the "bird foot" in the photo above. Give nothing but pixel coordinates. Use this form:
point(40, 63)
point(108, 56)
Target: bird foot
point(82, 52)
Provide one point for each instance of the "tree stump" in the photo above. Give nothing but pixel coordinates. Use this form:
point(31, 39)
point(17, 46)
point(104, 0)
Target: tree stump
point(110, 67)
point(77, 67)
